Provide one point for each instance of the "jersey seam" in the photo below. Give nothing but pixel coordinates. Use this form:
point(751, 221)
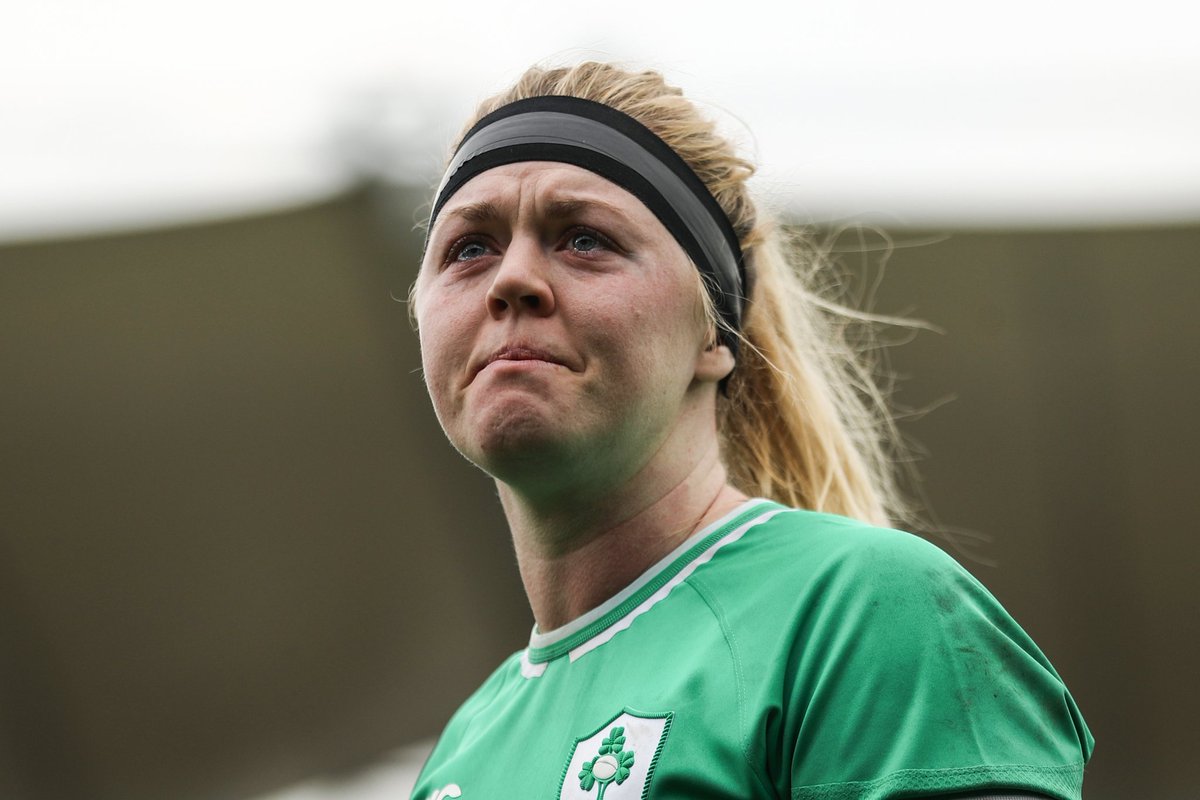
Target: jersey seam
point(505, 678)
point(1008, 777)
point(714, 607)
point(467, 722)
point(562, 647)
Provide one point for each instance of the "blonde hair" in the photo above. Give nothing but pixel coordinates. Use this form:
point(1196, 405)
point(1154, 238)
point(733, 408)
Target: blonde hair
point(802, 420)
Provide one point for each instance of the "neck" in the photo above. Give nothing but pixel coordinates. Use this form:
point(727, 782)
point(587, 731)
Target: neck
point(576, 552)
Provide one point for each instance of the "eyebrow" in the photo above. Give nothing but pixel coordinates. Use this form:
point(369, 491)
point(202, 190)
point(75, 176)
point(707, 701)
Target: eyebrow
point(483, 211)
point(486, 211)
point(558, 209)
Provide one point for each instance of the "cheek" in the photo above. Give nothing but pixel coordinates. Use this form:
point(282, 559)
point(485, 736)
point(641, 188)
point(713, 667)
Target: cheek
point(445, 348)
point(670, 312)
point(653, 329)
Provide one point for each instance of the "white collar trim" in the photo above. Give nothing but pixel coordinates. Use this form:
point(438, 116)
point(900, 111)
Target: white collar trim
point(539, 640)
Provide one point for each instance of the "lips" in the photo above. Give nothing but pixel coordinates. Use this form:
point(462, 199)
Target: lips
point(518, 352)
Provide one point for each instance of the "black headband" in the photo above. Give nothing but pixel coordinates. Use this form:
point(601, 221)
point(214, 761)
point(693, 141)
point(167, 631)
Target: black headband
point(617, 147)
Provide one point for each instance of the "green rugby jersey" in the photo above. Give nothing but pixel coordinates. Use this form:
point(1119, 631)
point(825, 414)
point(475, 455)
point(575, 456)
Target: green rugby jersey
point(775, 654)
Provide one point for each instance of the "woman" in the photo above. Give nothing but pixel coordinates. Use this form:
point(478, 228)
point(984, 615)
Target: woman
point(611, 330)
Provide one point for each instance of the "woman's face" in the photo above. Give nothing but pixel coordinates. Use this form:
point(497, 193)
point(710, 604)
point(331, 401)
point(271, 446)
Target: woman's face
point(562, 333)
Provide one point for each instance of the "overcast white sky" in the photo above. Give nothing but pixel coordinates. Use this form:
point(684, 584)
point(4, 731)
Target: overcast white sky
point(131, 112)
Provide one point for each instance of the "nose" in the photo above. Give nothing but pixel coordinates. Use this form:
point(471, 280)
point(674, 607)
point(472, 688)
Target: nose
point(521, 284)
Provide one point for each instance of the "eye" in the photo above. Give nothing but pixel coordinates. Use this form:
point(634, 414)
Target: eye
point(583, 240)
point(467, 249)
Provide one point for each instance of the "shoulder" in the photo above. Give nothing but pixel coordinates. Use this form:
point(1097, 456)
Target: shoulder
point(889, 651)
point(507, 674)
point(813, 589)
point(840, 583)
point(798, 552)
point(490, 692)
point(820, 534)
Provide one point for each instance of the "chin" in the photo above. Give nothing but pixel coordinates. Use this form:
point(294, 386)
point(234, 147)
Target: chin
point(518, 441)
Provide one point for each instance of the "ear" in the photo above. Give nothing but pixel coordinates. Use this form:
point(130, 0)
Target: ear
point(713, 363)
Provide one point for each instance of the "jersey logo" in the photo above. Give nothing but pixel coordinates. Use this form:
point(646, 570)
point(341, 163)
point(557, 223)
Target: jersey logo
point(617, 761)
point(447, 791)
point(611, 764)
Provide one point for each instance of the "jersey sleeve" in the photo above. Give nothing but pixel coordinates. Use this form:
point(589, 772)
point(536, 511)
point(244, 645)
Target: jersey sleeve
point(457, 731)
point(908, 678)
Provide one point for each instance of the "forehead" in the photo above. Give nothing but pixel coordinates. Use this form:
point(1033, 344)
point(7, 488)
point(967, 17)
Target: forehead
point(540, 182)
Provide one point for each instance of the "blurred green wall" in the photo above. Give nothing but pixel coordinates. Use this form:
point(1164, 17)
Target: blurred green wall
point(235, 549)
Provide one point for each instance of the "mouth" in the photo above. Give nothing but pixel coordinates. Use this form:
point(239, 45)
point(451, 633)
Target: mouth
point(517, 353)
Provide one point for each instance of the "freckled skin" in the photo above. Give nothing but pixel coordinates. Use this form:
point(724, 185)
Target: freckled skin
point(603, 290)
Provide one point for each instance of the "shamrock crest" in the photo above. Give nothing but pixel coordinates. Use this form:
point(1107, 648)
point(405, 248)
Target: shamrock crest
point(611, 764)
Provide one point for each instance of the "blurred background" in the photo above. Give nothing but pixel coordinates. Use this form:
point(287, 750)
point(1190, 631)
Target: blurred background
point(238, 558)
